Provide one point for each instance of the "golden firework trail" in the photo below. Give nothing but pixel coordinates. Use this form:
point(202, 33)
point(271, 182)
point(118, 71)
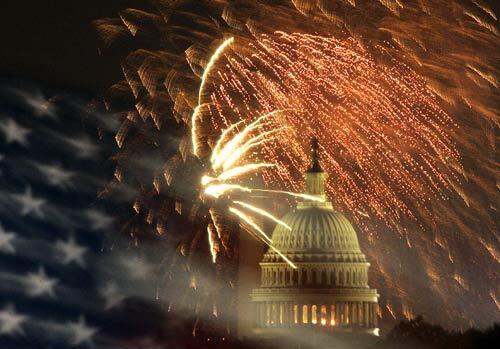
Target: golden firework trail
point(211, 232)
point(262, 212)
point(245, 218)
point(267, 240)
point(206, 73)
point(227, 155)
point(229, 151)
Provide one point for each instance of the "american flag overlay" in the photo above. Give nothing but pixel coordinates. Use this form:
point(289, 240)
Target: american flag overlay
point(61, 284)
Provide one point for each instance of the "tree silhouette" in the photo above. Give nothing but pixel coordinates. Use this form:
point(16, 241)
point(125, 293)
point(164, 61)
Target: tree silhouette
point(419, 334)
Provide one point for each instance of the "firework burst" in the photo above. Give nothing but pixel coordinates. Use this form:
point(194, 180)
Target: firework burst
point(386, 142)
point(226, 159)
point(403, 97)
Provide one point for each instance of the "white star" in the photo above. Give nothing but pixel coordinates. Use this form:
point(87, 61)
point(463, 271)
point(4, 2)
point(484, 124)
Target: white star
point(36, 101)
point(71, 251)
point(98, 219)
point(6, 238)
point(13, 132)
point(11, 321)
point(136, 268)
point(39, 284)
point(41, 105)
point(56, 175)
point(84, 147)
point(112, 297)
point(80, 332)
point(29, 203)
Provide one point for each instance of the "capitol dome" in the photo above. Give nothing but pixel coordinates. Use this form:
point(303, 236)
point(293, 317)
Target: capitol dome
point(324, 279)
point(316, 233)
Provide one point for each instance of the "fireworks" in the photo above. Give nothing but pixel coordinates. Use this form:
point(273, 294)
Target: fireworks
point(226, 155)
point(205, 76)
point(401, 95)
point(383, 135)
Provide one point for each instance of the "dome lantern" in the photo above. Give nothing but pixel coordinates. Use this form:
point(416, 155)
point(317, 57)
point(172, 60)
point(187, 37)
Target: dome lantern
point(315, 177)
point(315, 166)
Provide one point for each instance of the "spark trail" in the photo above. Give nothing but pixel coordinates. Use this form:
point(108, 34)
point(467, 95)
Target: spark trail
point(229, 163)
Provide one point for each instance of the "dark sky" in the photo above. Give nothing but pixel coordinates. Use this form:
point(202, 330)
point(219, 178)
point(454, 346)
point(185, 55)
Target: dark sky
point(52, 42)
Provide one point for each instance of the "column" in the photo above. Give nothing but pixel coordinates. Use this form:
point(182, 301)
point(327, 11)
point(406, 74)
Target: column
point(290, 314)
point(328, 314)
point(299, 313)
point(337, 313)
point(271, 314)
point(360, 313)
point(258, 315)
point(318, 314)
point(367, 314)
point(267, 313)
point(279, 311)
point(262, 314)
point(314, 313)
point(374, 314)
point(276, 310)
point(285, 314)
point(370, 317)
point(354, 314)
point(346, 313)
point(371, 323)
point(305, 313)
point(351, 310)
point(255, 314)
point(309, 313)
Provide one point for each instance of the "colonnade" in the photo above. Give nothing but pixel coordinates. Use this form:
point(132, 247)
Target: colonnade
point(341, 313)
point(339, 276)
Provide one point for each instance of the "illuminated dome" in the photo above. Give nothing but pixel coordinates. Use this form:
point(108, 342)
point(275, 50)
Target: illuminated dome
point(326, 282)
point(317, 233)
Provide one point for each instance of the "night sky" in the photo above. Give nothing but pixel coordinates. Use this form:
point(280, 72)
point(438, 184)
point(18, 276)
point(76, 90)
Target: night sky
point(52, 43)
